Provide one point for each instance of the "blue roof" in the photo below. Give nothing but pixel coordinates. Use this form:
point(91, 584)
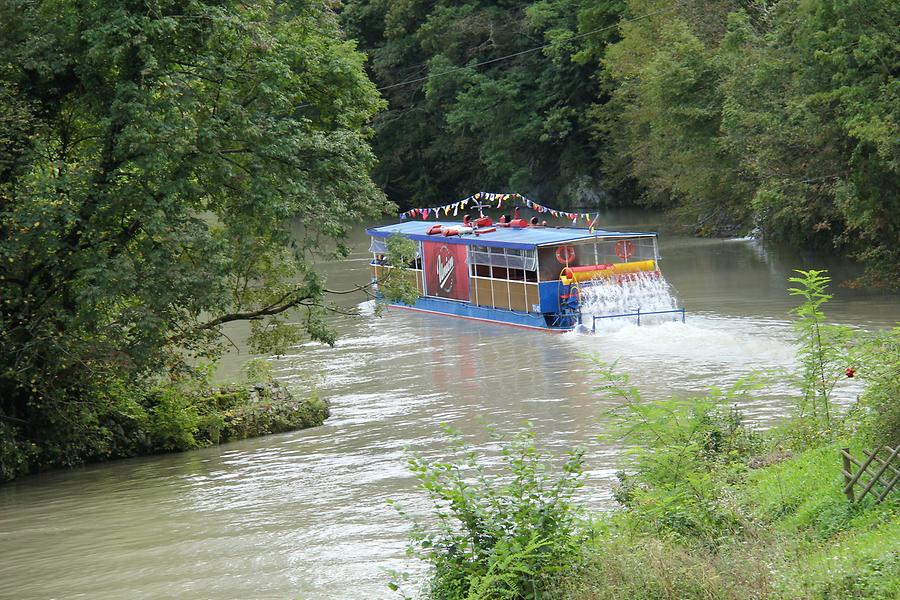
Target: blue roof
point(505, 237)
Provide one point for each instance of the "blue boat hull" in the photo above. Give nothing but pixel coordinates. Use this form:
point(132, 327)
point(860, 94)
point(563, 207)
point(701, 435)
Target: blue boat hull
point(465, 310)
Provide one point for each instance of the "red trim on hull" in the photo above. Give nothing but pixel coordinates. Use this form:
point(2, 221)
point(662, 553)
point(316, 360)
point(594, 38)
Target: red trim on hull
point(443, 314)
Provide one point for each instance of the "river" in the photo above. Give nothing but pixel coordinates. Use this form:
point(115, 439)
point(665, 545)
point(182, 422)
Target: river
point(305, 514)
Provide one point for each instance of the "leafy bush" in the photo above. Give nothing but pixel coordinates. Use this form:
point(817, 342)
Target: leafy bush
point(15, 456)
point(881, 399)
point(507, 535)
point(684, 454)
point(174, 420)
point(266, 410)
point(188, 417)
point(258, 370)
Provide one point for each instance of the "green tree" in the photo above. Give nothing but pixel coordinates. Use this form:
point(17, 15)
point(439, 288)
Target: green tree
point(780, 115)
point(513, 123)
point(817, 124)
point(663, 122)
point(154, 154)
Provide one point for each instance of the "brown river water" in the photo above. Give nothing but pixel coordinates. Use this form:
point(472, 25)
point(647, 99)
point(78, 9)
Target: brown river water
point(305, 514)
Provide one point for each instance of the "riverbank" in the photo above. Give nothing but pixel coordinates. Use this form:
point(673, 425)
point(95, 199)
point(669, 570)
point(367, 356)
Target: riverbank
point(169, 418)
point(796, 536)
point(709, 507)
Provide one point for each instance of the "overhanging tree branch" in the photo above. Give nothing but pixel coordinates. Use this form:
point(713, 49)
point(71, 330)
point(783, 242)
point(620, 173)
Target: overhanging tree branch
point(266, 311)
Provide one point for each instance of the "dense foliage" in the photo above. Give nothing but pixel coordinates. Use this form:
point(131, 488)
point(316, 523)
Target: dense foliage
point(781, 115)
point(775, 115)
point(519, 124)
point(153, 155)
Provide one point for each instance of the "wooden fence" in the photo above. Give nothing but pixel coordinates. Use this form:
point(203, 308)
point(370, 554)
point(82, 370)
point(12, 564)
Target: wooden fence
point(876, 474)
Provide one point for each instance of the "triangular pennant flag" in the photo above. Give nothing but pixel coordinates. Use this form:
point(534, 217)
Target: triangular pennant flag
point(485, 199)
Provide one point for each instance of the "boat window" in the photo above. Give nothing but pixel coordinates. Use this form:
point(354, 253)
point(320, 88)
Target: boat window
point(504, 257)
point(481, 270)
point(602, 251)
point(379, 246)
point(503, 273)
point(609, 250)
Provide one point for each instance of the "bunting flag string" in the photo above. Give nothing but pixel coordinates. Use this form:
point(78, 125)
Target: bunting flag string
point(483, 200)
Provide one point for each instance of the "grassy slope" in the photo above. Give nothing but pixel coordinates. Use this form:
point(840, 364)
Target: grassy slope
point(802, 539)
point(842, 550)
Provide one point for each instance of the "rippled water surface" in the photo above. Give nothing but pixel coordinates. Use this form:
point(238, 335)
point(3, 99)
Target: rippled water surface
point(305, 514)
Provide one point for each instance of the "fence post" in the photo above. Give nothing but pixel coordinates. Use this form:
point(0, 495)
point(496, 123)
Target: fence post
point(848, 475)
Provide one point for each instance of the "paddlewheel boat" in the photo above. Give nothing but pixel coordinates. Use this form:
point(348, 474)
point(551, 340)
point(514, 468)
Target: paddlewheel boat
point(518, 272)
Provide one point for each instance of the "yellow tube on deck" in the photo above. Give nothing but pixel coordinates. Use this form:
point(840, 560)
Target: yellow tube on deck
point(598, 271)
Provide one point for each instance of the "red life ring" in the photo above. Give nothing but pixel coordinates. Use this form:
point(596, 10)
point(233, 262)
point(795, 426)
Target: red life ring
point(565, 255)
point(624, 249)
